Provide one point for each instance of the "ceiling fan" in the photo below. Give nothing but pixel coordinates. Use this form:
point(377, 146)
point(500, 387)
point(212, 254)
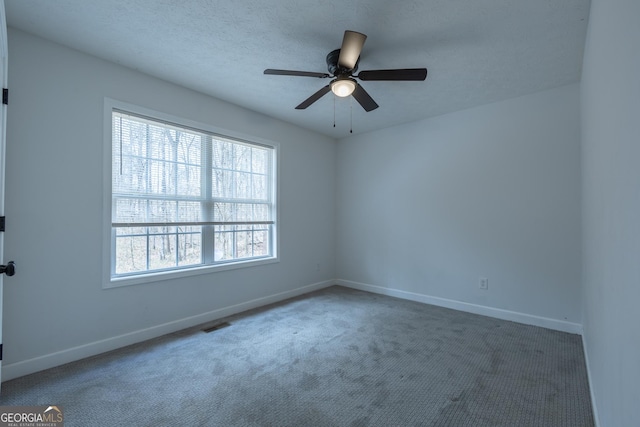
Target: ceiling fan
point(342, 64)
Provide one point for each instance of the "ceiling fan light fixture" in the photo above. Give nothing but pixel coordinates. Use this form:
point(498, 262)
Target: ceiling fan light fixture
point(343, 87)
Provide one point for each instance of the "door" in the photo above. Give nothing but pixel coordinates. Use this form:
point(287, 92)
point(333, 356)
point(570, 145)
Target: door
point(3, 127)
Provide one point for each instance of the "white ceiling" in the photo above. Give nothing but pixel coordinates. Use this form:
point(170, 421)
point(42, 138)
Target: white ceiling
point(476, 51)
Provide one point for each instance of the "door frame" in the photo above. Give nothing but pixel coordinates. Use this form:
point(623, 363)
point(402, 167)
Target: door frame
point(3, 131)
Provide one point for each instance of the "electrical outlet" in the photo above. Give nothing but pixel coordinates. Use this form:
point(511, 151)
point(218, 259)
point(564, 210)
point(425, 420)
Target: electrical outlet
point(318, 267)
point(483, 283)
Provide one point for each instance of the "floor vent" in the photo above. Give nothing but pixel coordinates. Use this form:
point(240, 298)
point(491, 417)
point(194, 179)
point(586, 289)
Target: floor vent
point(216, 327)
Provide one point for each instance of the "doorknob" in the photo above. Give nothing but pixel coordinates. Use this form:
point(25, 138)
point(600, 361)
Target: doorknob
point(9, 269)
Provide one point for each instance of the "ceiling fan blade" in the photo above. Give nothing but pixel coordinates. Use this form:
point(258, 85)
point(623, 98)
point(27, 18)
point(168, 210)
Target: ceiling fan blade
point(351, 47)
point(407, 74)
point(364, 99)
point(295, 73)
point(313, 98)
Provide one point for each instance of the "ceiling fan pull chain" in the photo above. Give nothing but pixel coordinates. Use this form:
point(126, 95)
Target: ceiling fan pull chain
point(351, 114)
point(334, 111)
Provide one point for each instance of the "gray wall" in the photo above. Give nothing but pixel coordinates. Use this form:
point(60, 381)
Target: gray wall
point(55, 308)
point(428, 207)
point(610, 98)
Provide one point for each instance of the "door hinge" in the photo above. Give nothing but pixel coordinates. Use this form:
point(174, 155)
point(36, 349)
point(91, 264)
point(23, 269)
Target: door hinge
point(5, 96)
point(2, 223)
point(0, 352)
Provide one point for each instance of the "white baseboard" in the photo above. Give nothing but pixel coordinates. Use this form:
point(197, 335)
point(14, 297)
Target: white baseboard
point(36, 364)
point(528, 319)
point(594, 408)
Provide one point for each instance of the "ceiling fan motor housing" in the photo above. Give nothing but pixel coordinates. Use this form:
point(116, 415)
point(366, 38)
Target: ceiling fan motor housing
point(334, 68)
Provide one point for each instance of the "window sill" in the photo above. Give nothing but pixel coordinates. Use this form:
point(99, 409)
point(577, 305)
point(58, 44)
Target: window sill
point(177, 274)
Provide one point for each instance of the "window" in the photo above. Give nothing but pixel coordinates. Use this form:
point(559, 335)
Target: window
point(185, 199)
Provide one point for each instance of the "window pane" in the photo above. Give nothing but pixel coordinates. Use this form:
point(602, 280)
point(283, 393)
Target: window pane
point(259, 187)
point(244, 244)
point(129, 175)
point(160, 177)
point(222, 154)
point(130, 210)
point(162, 230)
point(162, 251)
point(241, 212)
point(131, 231)
point(242, 185)
point(189, 245)
point(241, 241)
point(162, 211)
point(189, 211)
point(189, 180)
point(190, 149)
point(242, 157)
point(222, 183)
point(259, 161)
point(131, 254)
point(223, 212)
point(223, 243)
point(261, 242)
point(244, 212)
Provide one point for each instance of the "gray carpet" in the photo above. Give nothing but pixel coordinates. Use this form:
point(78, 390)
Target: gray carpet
point(336, 357)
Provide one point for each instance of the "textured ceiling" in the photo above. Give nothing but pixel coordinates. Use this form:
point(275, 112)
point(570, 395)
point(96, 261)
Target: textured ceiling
point(476, 51)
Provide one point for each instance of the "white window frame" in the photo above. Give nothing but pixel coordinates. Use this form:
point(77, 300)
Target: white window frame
point(109, 251)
